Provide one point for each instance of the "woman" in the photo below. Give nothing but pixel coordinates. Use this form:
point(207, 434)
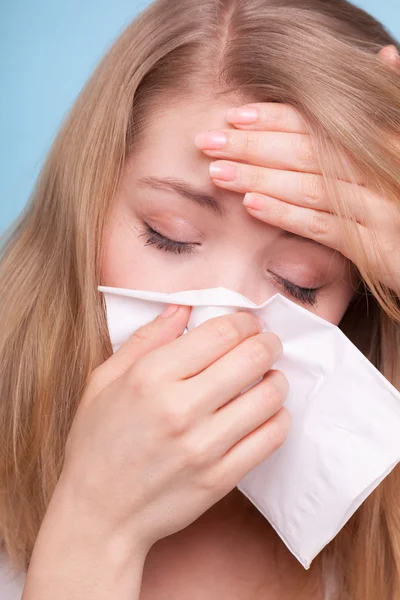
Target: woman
point(102, 496)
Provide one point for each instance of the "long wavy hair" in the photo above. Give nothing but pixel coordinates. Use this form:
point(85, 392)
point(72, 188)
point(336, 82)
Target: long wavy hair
point(319, 56)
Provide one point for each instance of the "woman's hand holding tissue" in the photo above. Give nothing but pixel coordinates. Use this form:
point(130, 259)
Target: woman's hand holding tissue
point(284, 186)
point(163, 431)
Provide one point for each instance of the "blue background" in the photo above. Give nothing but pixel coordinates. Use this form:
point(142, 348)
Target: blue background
point(47, 51)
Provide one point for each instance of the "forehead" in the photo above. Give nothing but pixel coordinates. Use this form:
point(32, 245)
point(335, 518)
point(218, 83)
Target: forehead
point(167, 150)
point(170, 131)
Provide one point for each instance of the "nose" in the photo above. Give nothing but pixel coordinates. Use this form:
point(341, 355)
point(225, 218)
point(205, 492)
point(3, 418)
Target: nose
point(243, 278)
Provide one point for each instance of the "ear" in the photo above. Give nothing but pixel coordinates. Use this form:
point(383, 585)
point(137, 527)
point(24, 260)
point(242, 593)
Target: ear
point(390, 56)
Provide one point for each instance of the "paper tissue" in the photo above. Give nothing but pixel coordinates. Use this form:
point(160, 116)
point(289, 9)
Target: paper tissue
point(345, 434)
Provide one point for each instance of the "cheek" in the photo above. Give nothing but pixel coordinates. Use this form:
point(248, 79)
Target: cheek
point(115, 252)
point(335, 300)
point(122, 260)
point(334, 303)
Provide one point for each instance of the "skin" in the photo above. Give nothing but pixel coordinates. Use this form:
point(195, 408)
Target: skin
point(236, 250)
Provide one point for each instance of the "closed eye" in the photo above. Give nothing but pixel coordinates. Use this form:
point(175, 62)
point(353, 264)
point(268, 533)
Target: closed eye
point(154, 238)
point(303, 294)
point(165, 244)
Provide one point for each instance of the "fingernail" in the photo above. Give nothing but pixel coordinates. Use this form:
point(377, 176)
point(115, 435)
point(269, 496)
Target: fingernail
point(253, 201)
point(211, 140)
point(170, 310)
point(242, 116)
point(224, 171)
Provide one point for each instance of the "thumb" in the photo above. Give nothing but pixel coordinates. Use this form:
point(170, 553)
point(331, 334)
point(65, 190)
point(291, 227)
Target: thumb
point(390, 56)
point(167, 326)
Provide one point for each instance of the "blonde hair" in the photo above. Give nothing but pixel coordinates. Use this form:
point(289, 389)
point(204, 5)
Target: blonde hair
point(319, 56)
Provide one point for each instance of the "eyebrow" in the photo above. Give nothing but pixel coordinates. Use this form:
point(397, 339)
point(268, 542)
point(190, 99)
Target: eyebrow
point(186, 190)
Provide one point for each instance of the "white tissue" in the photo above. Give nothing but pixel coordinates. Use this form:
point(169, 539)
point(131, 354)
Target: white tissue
point(345, 434)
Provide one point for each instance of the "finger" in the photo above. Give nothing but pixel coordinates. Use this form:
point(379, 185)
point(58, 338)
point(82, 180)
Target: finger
point(245, 413)
point(390, 56)
point(200, 347)
point(267, 116)
point(322, 227)
point(277, 150)
point(252, 450)
point(302, 189)
point(234, 372)
point(145, 339)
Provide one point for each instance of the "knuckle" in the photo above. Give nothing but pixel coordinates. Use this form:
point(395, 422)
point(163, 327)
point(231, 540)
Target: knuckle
point(195, 452)
point(310, 189)
point(318, 225)
point(250, 144)
point(286, 418)
point(259, 352)
point(141, 333)
point(270, 395)
point(176, 419)
point(280, 432)
point(279, 212)
point(285, 115)
point(139, 379)
point(257, 179)
point(213, 481)
point(282, 381)
point(275, 342)
point(275, 115)
point(303, 150)
point(227, 332)
point(253, 322)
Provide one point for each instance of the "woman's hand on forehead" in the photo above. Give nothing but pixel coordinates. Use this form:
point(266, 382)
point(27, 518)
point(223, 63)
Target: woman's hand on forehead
point(284, 187)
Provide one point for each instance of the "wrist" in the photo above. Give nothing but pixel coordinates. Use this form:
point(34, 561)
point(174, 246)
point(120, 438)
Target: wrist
point(81, 519)
point(77, 555)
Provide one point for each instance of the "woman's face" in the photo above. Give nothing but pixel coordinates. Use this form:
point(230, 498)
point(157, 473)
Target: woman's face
point(166, 187)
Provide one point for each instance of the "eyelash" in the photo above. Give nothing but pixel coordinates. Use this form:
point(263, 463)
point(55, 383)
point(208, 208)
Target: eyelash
point(154, 238)
point(163, 243)
point(304, 295)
